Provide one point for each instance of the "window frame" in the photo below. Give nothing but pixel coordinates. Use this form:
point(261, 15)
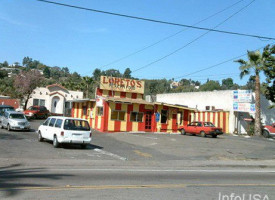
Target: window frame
point(53, 123)
point(100, 112)
point(161, 115)
point(136, 117)
point(118, 118)
point(59, 126)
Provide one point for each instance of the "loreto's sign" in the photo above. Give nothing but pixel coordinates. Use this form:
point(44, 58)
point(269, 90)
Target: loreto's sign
point(121, 84)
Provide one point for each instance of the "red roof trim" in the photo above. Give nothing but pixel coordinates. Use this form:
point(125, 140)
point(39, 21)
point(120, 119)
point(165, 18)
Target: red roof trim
point(57, 93)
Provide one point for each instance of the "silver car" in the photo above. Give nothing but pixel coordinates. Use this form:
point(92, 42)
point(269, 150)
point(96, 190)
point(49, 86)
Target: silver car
point(13, 120)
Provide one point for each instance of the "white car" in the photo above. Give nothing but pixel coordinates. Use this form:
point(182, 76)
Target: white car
point(65, 130)
point(12, 120)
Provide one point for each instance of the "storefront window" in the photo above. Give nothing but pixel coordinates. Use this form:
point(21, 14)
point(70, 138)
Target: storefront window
point(164, 115)
point(118, 115)
point(136, 116)
point(99, 111)
point(84, 110)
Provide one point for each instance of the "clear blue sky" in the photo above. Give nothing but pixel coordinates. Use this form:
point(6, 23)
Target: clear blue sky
point(83, 41)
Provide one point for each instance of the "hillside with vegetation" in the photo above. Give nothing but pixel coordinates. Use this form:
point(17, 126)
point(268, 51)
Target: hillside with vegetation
point(9, 73)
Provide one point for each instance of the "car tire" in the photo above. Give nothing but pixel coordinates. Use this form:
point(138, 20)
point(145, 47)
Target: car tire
point(214, 136)
point(83, 146)
point(55, 142)
point(203, 134)
point(182, 132)
point(40, 138)
point(266, 134)
point(35, 117)
point(8, 127)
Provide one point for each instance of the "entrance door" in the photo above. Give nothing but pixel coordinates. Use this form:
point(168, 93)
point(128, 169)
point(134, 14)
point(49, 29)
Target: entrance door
point(148, 121)
point(174, 123)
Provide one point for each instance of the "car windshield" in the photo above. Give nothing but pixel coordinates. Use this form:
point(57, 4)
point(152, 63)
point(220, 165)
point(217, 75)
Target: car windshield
point(74, 124)
point(17, 116)
point(2, 110)
point(33, 108)
point(208, 124)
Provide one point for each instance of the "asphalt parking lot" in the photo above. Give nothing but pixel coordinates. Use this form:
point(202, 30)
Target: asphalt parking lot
point(138, 147)
point(135, 166)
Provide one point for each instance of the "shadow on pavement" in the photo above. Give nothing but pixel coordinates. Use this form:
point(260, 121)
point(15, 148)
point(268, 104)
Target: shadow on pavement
point(13, 179)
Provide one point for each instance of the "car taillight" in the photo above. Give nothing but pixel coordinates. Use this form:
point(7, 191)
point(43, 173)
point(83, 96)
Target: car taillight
point(62, 133)
point(90, 134)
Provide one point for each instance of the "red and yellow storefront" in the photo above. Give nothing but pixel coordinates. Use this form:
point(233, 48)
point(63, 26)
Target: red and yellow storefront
point(119, 107)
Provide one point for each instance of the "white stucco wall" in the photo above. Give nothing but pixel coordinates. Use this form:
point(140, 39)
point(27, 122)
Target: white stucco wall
point(220, 100)
point(54, 93)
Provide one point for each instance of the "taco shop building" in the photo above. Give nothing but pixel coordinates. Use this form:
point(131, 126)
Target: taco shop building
point(119, 107)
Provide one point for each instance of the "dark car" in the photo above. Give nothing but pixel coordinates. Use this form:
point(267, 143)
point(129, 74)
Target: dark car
point(37, 112)
point(201, 128)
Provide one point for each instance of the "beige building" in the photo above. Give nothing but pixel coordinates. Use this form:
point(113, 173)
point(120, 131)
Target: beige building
point(55, 98)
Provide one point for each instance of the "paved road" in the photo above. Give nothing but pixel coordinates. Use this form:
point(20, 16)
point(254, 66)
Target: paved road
point(136, 166)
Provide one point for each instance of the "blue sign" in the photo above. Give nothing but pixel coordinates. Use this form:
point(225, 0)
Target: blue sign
point(157, 116)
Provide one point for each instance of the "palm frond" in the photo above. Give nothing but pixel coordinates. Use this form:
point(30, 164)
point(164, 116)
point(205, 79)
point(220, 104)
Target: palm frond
point(241, 61)
point(243, 73)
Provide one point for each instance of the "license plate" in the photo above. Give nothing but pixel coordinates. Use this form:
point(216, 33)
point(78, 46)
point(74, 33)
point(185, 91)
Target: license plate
point(21, 127)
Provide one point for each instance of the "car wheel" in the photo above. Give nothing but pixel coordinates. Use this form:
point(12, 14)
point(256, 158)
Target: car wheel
point(203, 134)
point(40, 138)
point(55, 142)
point(214, 136)
point(83, 146)
point(266, 134)
point(35, 117)
point(182, 131)
point(8, 127)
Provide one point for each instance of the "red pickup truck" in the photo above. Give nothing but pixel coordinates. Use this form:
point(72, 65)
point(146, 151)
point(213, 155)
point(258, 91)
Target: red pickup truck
point(201, 128)
point(269, 130)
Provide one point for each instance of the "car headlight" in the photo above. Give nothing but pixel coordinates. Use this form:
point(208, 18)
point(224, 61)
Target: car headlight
point(31, 114)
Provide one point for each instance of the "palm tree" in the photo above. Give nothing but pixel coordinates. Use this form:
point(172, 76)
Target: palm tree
point(256, 62)
point(87, 81)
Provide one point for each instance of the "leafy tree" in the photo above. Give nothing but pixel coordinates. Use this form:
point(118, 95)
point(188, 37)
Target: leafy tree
point(185, 82)
point(256, 62)
point(5, 64)
point(26, 61)
point(210, 85)
point(47, 72)
point(227, 83)
point(269, 71)
point(112, 72)
point(3, 74)
point(127, 73)
point(97, 74)
point(25, 83)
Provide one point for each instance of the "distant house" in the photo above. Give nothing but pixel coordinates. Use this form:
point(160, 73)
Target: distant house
point(6, 100)
point(174, 84)
point(55, 98)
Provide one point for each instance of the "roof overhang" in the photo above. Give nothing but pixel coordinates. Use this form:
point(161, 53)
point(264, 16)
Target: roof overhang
point(81, 100)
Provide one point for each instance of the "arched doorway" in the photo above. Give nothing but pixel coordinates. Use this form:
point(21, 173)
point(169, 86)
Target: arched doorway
point(55, 108)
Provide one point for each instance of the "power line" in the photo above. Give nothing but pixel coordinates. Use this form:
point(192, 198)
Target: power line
point(221, 63)
point(168, 37)
point(157, 21)
point(197, 38)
